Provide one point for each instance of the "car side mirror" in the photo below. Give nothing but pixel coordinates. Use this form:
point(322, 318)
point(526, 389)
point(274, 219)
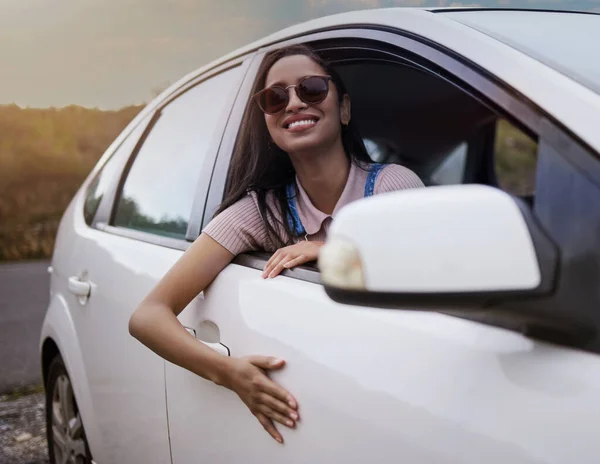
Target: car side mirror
point(459, 246)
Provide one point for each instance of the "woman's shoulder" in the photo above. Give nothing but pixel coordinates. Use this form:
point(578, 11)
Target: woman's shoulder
point(396, 177)
point(247, 201)
point(239, 227)
point(247, 209)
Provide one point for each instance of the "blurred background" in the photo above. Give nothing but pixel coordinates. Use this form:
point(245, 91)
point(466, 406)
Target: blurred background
point(73, 73)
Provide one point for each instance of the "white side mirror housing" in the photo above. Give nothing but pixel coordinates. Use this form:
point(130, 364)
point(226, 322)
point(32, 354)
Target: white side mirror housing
point(436, 242)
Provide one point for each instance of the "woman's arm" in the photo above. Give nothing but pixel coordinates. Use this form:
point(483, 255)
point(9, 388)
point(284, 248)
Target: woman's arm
point(155, 324)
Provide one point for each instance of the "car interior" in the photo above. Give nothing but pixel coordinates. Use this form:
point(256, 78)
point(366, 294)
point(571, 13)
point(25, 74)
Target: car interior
point(410, 113)
point(414, 118)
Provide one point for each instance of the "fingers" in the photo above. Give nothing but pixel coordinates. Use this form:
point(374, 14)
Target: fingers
point(275, 257)
point(279, 267)
point(291, 256)
point(266, 362)
point(296, 261)
point(279, 407)
point(285, 261)
point(266, 385)
point(273, 261)
point(276, 391)
point(267, 400)
point(269, 427)
point(277, 416)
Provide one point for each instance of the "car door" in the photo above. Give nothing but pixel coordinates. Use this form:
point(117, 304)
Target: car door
point(383, 385)
point(156, 199)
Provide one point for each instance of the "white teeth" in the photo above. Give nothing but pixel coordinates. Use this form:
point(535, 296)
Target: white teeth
point(302, 123)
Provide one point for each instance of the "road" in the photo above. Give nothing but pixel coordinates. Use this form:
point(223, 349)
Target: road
point(24, 298)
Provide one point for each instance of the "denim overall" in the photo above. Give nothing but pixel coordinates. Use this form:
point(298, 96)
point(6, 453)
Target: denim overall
point(294, 220)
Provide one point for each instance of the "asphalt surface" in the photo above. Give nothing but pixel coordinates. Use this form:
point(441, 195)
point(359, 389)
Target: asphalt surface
point(24, 297)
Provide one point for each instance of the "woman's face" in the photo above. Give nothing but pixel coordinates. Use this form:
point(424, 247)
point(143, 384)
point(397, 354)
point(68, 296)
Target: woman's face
point(324, 119)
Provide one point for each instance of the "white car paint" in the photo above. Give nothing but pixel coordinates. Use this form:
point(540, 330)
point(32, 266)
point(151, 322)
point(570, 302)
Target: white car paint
point(383, 385)
point(373, 385)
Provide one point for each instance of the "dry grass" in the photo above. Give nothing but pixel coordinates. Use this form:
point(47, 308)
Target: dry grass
point(44, 157)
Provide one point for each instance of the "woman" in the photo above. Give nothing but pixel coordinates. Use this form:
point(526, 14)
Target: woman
point(299, 160)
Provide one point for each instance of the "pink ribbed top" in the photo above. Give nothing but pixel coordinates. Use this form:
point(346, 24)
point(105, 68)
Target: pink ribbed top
point(240, 227)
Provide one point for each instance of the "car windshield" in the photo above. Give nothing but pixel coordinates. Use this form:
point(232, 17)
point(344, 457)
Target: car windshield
point(567, 42)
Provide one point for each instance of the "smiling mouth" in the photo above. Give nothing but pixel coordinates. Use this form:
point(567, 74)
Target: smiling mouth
point(304, 123)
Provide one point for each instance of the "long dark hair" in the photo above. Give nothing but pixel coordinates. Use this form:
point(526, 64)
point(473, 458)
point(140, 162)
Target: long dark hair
point(261, 166)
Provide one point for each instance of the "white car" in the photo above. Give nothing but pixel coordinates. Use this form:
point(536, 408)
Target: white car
point(456, 323)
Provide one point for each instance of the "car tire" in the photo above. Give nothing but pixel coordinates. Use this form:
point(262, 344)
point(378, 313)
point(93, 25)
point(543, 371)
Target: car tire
point(67, 442)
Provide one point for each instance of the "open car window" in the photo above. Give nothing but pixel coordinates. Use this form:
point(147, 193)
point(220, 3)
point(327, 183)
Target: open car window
point(434, 126)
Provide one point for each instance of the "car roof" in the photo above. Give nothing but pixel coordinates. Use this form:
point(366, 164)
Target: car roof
point(399, 16)
point(570, 102)
point(565, 41)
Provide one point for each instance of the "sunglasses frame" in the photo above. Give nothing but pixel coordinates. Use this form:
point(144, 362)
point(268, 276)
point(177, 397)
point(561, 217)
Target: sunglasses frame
point(257, 95)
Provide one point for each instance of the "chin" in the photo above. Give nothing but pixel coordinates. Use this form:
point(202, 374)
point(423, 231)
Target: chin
point(301, 146)
point(308, 143)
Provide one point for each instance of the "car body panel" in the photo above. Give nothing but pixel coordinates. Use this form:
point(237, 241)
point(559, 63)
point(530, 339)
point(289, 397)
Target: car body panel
point(125, 379)
point(59, 327)
point(565, 42)
point(380, 385)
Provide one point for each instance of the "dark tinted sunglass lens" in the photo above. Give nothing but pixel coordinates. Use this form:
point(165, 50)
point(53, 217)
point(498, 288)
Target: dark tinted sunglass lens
point(273, 100)
point(314, 89)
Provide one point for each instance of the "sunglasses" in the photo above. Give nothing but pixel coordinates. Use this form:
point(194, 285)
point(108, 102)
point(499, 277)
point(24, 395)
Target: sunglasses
point(311, 90)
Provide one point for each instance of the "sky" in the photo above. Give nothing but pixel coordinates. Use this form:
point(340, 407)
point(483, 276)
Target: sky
point(112, 53)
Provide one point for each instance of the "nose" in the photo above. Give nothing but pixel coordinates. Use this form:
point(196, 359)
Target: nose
point(294, 104)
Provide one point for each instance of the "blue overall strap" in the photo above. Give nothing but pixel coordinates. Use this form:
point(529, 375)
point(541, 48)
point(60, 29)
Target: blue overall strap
point(293, 220)
point(374, 171)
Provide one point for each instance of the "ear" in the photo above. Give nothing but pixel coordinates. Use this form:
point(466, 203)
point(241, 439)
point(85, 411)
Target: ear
point(345, 110)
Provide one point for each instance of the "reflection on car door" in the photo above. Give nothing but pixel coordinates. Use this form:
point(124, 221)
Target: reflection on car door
point(125, 259)
point(378, 385)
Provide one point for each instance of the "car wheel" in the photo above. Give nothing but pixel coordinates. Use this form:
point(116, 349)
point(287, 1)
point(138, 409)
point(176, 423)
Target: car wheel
point(67, 443)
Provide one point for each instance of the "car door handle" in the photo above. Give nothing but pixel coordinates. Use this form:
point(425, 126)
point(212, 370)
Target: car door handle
point(218, 347)
point(78, 287)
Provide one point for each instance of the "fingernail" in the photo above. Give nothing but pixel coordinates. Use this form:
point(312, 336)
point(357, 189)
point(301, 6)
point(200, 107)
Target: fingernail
point(289, 423)
point(280, 440)
point(294, 416)
point(292, 403)
point(276, 361)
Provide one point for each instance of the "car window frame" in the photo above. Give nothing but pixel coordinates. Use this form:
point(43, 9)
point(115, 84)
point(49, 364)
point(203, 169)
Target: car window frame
point(477, 82)
point(402, 46)
point(135, 129)
point(107, 208)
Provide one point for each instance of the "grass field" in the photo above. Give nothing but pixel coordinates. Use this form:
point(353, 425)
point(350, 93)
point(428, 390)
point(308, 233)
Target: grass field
point(45, 154)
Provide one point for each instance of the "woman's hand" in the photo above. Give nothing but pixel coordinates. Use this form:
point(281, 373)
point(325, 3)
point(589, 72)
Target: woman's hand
point(267, 401)
point(290, 256)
